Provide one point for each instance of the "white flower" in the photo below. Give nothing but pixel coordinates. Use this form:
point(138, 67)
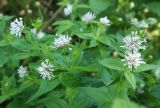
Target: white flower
point(16, 27)
point(133, 60)
point(22, 71)
point(46, 69)
point(89, 16)
point(33, 30)
point(139, 24)
point(157, 73)
point(133, 42)
point(39, 34)
point(134, 21)
point(105, 21)
point(68, 10)
point(61, 41)
point(143, 24)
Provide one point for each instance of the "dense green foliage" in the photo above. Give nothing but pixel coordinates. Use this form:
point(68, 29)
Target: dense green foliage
point(88, 72)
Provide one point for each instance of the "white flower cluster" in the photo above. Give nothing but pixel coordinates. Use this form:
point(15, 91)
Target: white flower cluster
point(61, 41)
point(139, 24)
point(133, 42)
point(39, 34)
point(105, 20)
point(46, 69)
point(133, 60)
point(16, 27)
point(132, 45)
point(68, 10)
point(22, 71)
point(89, 16)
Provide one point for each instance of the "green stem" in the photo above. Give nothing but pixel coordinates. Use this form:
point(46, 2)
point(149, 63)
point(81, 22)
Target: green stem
point(119, 86)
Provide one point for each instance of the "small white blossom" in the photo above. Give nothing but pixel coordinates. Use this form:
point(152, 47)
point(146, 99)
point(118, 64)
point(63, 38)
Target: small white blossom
point(134, 21)
point(46, 69)
point(22, 71)
point(89, 16)
point(105, 21)
point(139, 24)
point(68, 10)
point(16, 27)
point(133, 60)
point(33, 30)
point(143, 24)
point(133, 42)
point(39, 34)
point(61, 41)
point(157, 73)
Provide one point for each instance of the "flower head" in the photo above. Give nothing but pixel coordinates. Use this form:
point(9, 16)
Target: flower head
point(39, 34)
point(139, 24)
point(16, 27)
point(105, 21)
point(133, 42)
point(134, 21)
point(62, 41)
point(143, 24)
point(89, 16)
point(46, 69)
point(133, 60)
point(68, 10)
point(33, 30)
point(22, 71)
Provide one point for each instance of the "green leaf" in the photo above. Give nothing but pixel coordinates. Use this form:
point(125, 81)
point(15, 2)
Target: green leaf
point(3, 43)
point(99, 5)
point(19, 56)
point(62, 26)
point(131, 79)
point(3, 59)
point(109, 41)
point(54, 102)
point(156, 91)
point(145, 67)
point(20, 44)
point(17, 102)
point(80, 99)
point(113, 63)
point(97, 94)
point(121, 103)
point(22, 87)
point(85, 69)
point(46, 86)
point(87, 36)
point(154, 7)
point(68, 79)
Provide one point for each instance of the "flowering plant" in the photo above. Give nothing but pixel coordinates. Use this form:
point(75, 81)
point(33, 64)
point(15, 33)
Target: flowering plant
point(92, 57)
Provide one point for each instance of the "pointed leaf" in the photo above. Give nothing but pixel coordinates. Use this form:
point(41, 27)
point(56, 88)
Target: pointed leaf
point(45, 87)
